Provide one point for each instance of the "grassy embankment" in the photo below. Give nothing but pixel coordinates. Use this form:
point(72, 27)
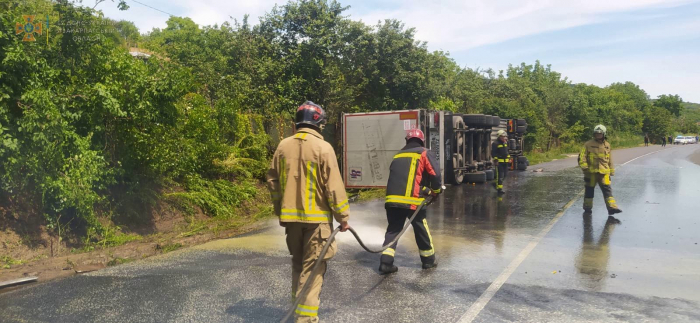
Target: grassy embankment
point(617, 142)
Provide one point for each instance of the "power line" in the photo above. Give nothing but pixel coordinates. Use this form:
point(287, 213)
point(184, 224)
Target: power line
point(143, 4)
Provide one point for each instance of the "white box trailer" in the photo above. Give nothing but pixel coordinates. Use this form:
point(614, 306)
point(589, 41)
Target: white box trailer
point(370, 141)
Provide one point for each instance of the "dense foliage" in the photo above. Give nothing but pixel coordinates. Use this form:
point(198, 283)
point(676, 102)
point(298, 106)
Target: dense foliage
point(87, 130)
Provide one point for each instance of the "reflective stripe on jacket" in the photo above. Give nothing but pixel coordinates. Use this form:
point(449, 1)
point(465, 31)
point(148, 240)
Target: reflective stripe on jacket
point(596, 157)
point(305, 182)
point(412, 168)
point(499, 151)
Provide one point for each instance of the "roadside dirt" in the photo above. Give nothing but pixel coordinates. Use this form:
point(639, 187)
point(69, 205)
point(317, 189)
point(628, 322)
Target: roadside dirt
point(28, 248)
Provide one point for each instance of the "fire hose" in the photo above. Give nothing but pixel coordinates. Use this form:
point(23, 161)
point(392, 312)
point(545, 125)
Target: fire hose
point(317, 264)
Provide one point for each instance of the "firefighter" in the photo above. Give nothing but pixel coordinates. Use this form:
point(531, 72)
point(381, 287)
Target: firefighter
point(413, 174)
point(595, 160)
point(499, 151)
point(308, 193)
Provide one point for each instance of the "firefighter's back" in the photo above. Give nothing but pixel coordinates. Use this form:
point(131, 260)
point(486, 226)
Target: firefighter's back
point(302, 156)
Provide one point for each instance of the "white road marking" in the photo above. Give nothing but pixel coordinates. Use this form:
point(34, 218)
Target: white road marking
point(487, 295)
point(633, 159)
point(480, 303)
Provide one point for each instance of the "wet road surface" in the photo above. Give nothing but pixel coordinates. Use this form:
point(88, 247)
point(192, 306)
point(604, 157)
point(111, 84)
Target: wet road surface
point(531, 256)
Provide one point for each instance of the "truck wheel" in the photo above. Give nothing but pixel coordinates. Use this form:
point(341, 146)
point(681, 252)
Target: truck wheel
point(474, 120)
point(477, 177)
point(457, 175)
point(496, 121)
point(490, 175)
point(458, 123)
point(520, 129)
point(486, 121)
point(522, 122)
point(522, 163)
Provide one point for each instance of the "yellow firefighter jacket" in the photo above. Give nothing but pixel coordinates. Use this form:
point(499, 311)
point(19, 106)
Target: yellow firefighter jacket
point(596, 157)
point(305, 182)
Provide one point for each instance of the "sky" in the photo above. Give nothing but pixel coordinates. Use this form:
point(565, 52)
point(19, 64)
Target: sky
point(653, 43)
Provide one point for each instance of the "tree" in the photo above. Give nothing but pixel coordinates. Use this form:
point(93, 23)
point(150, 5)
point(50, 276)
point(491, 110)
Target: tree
point(657, 122)
point(634, 92)
point(672, 103)
point(129, 33)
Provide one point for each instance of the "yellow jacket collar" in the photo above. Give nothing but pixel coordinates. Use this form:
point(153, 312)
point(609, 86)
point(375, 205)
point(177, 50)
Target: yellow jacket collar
point(311, 131)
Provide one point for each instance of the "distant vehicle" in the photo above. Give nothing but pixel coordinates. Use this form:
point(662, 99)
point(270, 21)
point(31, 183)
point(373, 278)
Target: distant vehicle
point(682, 140)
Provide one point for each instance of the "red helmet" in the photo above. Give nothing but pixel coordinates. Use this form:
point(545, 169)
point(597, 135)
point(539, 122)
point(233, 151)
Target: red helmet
point(415, 133)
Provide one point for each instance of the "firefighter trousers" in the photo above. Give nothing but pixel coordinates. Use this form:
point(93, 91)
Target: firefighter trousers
point(501, 173)
point(305, 241)
point(397, 218)
point(603, 180)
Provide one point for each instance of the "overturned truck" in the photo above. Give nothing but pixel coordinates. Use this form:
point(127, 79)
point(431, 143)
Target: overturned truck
point(461, 143)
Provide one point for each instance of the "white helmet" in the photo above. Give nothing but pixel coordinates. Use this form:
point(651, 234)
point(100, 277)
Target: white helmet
point(600, 129)
point(502, 133)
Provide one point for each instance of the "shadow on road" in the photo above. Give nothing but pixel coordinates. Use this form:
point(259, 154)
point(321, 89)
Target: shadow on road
point(255, 310)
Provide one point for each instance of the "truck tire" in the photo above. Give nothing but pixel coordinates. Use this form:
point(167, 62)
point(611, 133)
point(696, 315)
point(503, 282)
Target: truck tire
point(458, 123)
point(522, 163)
point(477, 177)
point(486, 121)
point(457, 175)
point(490, 175)
point(521, 129)
point(496, 121)
point(522, 122)
point(473, 120)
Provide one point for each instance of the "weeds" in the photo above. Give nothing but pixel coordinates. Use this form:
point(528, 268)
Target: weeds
point(368, 194)
point(195, 227)
point(109, 236)
point(6, 262)
point(218, 198)
point(265, 212)
point(118, 261)
point(171, 247)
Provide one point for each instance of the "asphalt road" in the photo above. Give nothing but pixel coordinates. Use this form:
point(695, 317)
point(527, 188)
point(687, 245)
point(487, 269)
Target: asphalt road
point(531, 256)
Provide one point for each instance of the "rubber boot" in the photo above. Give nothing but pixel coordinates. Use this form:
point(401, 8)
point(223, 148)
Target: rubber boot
point(385, 269)
point(588, 205)
point(612, 206)
point(428, 266)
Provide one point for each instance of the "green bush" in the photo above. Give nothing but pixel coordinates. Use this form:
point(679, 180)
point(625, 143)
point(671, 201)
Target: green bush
point(218, 198)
